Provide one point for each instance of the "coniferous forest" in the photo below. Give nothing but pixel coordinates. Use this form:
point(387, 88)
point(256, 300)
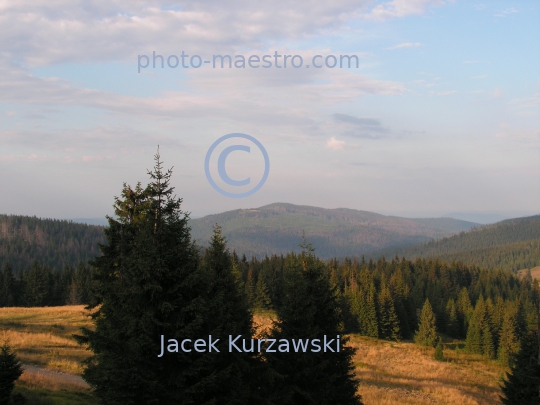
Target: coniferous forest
point(151, 280)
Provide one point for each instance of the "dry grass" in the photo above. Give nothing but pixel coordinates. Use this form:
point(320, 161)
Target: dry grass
point(390, 373)
point(43, 336)
point(403, 373)
point(535, 273)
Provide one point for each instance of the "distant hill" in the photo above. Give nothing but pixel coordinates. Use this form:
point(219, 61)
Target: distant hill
point(511, 244)
point(277, 228)
point(52, 242)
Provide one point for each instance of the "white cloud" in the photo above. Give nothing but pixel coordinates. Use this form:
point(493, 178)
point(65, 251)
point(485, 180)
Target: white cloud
point(402, 8)
point(506, 12)
point(406, 45)
point(335, 144)
point(446, 93)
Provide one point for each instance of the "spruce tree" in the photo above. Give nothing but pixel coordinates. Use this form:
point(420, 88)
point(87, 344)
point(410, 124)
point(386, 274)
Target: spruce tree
point(439, 351)
point(237, 376)
point(427, 330)
point(8, 283)
point(367, 319)
point(388, 320)
point(508, 342)
point(262, 297)
point(452, 323)
point(10, 371)
point(522, 384)
point(148, 286)
point(310, 310)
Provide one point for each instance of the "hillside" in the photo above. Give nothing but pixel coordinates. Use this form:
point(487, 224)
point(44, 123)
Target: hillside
point(277, 228)
point(512, 244)
point(54, 243)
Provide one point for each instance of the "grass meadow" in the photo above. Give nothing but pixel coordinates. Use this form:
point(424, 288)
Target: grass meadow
point(390, 373)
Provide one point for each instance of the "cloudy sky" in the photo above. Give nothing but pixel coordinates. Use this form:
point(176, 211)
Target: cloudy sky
point(442, 113)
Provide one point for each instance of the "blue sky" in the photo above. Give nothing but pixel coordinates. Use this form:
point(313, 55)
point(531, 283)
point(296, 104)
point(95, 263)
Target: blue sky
point(443, 114)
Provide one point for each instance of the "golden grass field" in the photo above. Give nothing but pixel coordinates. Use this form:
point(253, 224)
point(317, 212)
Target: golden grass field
point(390, 373)
point(535, 272)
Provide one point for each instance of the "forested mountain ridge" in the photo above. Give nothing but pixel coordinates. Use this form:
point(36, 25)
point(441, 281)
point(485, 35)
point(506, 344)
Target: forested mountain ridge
point(512, 244)
point(52, 242)
point(278, 227)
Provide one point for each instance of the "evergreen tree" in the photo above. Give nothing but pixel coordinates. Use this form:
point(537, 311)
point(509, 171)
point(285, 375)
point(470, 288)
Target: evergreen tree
point(8, 284)
point(310, 310)
point(148, 287)
point(250, 288)
point(367, 314)
point(522, 384)
point(439, 351)
point(508, 342)
point(262, 297)
point(36, 286)
point(236, 376)
point(10, 371)
point(388, 320)
point(476, 333)
point(452, 323)
point(427, 331)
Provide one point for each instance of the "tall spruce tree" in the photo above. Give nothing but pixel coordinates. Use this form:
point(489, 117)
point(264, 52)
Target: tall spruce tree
point(427, 330)
point(239, 378)
point(148, 286)
point(310, 310)
point(388, 320)
point(522, 384)
point(10, 371)
point(509, 341)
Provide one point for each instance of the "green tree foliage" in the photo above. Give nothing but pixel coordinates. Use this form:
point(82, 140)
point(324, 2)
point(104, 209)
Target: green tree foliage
point(439, 351)
point(427, 331)
point(310, 310)
point(388, 320)
point(480, 336)
point(8, 286)
point(53, 243)
point(148, 285)
point(452, 325)
point(522, 384)
point(10, 371)
point(509, 343)
point(236, 377)
point(262, 297)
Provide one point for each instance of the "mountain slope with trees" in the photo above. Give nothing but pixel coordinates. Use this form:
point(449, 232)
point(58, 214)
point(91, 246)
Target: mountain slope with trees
point(53, 243)
point(276, 228)
point(512, 244)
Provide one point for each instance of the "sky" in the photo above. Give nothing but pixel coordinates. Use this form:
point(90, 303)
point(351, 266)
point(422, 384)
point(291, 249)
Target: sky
point(440, 115)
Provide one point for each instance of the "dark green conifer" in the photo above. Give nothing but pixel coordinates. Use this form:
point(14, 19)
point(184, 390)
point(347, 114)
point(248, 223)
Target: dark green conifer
point(148, 285)
point(508, 342)
point(10, 371)
point(452, 323)
point(427, 330)
point(522, 384)
point(310, 310)
point(388, 320)
point(262, 296)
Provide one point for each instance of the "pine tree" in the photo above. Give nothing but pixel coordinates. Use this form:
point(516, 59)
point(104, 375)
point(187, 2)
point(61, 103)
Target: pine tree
point(250, 288)
point(10, 371)
point(36, 286)
point(427, 331)
point(237, 376)
point(262, 297)
point(310, 310)
point(508, 342)
point(522, 384)
point(452, 323)
point(148, 287)
point(439, 351)
point(388, 320)
point(7, 292)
